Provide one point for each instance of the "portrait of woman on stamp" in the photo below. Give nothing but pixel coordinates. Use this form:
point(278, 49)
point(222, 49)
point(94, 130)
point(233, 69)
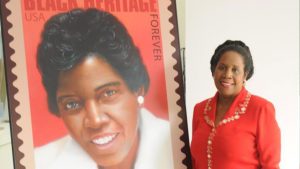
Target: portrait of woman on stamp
point(96, 81)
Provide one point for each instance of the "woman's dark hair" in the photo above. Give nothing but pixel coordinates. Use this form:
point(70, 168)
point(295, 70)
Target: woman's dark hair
point(237, 46)
point(69, 37)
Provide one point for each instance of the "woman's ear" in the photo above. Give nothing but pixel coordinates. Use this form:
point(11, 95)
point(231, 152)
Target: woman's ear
point(140, 95)
point(246, 75)
point(245, 78)
point(140, 91)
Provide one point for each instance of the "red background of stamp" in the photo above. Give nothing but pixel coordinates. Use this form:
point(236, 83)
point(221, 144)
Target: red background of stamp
point(47, 127)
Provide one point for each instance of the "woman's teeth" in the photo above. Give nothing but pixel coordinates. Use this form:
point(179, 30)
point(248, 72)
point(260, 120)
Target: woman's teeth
point(104, 140)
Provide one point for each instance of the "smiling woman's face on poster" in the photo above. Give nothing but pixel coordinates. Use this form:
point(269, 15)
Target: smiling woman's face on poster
point(100, 111)
point(93, 75)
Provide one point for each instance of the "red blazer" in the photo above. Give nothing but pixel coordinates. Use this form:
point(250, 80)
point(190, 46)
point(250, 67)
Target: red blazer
point(249, 141)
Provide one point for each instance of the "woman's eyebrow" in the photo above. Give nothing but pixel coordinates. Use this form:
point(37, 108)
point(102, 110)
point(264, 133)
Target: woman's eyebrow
point(221, 64)
point(61, 98)
point(107, 85)
point(226, 65)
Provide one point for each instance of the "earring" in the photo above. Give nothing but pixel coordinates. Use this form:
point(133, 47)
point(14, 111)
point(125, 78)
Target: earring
point(140, 99)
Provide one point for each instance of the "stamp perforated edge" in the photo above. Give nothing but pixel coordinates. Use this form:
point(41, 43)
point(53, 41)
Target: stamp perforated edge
point(174, 82)
point(18, 86)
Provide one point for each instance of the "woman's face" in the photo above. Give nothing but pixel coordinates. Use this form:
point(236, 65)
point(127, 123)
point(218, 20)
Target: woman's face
point(229, 74)
point(99, 110)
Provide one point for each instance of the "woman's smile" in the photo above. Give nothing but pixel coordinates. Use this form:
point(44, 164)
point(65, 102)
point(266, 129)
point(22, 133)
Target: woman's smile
point(226, 84)
point(99, 110)
point(104, 140)
point(229, 74)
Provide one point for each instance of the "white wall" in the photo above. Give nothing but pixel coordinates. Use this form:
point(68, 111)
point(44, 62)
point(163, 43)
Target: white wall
point(180, 5)
point(271, 29)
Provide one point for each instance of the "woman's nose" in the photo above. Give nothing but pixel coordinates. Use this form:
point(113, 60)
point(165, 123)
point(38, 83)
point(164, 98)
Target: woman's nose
point(95, 117)
point(228, 74)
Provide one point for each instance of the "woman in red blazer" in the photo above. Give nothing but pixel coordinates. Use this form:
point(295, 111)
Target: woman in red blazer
point(234, 129)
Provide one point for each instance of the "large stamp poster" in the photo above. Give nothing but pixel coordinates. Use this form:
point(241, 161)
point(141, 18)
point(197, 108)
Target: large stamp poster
point(95, 84)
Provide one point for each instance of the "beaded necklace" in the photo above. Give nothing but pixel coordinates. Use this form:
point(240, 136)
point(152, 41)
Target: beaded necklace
point(240, 109)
